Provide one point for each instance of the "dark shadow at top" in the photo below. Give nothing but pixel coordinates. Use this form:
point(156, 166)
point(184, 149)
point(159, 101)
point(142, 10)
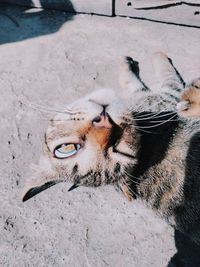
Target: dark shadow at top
point(20, 23)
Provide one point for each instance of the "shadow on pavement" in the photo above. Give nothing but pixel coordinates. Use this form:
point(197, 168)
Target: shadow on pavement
point(21, 23)
point(188, 252)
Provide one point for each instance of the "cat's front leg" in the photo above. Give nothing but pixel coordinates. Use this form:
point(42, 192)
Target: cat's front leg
point(170, 80)
point(189, 106)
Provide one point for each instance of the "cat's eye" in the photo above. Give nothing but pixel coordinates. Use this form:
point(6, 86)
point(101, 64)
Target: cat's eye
point(66, 150)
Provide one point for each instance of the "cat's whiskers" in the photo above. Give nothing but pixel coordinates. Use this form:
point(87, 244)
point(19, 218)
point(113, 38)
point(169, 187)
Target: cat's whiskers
point(162, 121)
point(131, 176)
point(44, 108)
point(133, 179)
point(146, 116)
point(53, 110)
point(156, 115)
point(159, 124)
point(129, 188)
point(70, 119)
point(145, 131)
point(130, 122)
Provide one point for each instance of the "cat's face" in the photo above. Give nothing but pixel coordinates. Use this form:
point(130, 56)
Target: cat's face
point(90, 143)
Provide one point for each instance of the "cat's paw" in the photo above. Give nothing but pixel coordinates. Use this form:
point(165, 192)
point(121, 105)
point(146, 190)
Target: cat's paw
point(189, 106)
point(162, 65)
point(160, 55)
point(159, 58)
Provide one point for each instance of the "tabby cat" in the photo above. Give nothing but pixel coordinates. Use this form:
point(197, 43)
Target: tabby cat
point(135, 141)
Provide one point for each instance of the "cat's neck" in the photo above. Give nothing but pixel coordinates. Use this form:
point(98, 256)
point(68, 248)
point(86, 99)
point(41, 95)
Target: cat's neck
point(156, 134)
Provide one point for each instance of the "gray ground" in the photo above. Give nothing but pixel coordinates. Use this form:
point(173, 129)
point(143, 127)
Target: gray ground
point(50, 59)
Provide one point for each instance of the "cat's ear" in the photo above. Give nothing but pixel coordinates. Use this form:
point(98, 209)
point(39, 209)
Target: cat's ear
point(43, 176)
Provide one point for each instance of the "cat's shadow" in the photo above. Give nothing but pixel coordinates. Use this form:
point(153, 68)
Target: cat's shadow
point(20, 23)
point(188, 252)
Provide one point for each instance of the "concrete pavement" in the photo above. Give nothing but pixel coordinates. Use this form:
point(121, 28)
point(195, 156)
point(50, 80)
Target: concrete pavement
point(50, 58)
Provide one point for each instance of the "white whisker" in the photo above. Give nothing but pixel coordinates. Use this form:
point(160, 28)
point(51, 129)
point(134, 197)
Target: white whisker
point(53, 110)
point(129, 188)
point(131, 177)
point(159, 124)
point(44, 108)
point(156, 115)
point(147, 115)
point(145, 131)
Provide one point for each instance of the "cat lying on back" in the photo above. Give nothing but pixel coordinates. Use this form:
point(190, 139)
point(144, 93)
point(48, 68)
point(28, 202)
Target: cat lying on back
point(133, 140)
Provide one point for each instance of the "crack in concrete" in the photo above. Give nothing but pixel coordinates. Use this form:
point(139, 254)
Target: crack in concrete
point(168, 5)
point(163, 22)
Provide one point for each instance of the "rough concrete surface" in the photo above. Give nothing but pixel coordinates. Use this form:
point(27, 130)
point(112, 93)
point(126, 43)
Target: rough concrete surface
point(49, 59)
point(171, 13)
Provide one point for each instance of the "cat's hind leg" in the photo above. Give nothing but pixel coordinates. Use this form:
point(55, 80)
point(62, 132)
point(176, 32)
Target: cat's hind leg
point(171, 82)
point(129, 77)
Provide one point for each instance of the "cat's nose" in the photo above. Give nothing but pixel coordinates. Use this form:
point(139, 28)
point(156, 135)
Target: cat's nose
point(102, 121)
